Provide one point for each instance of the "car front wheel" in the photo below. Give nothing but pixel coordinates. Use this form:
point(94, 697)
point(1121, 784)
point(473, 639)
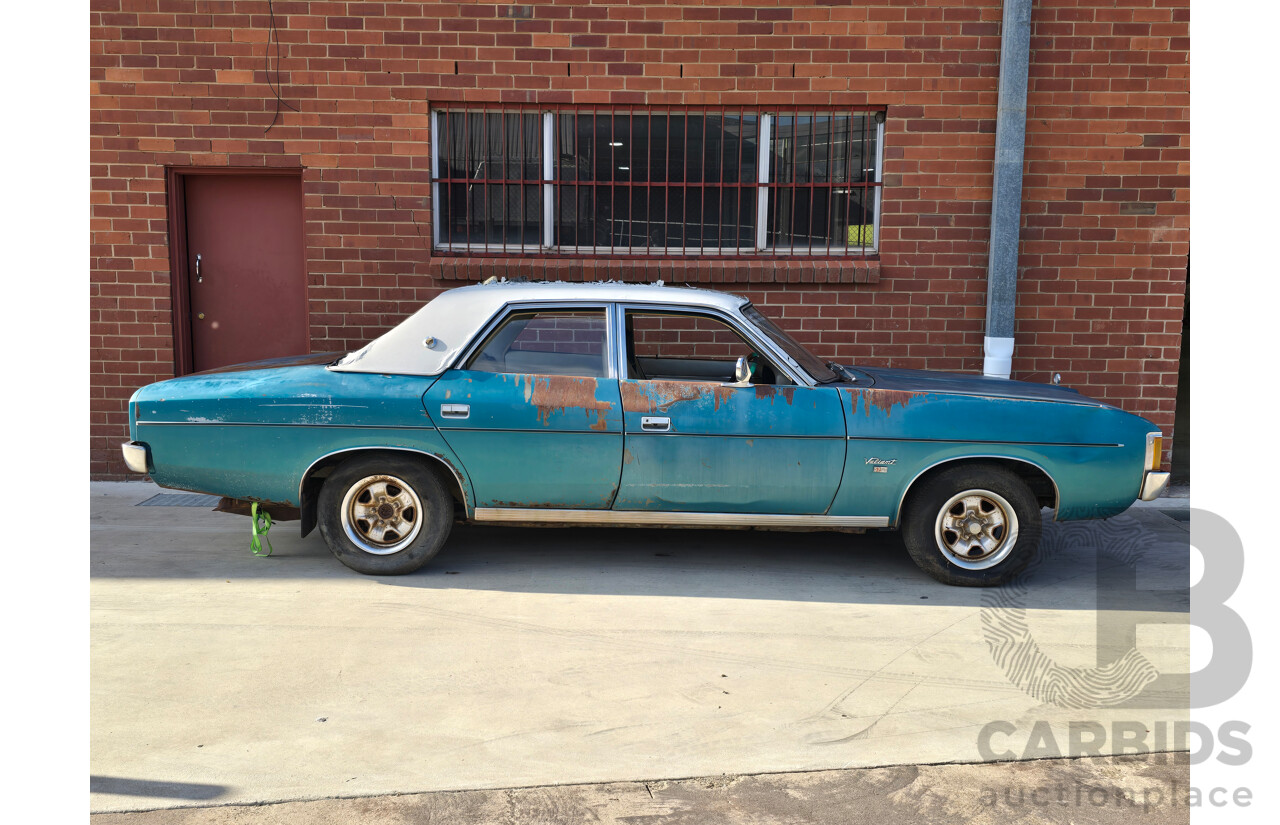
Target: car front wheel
point(384, 515)
point(976, 525)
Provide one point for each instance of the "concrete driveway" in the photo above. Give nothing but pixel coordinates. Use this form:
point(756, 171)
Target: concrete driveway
point(525, 657)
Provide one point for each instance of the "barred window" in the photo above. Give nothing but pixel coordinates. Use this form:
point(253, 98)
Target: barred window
point(665, 182)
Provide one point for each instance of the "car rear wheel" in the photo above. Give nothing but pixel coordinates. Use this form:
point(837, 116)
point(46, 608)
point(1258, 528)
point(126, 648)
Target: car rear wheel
point(384, 515)
point(976, 525)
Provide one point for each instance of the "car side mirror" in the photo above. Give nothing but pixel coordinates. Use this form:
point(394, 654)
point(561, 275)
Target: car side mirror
point(742, 372)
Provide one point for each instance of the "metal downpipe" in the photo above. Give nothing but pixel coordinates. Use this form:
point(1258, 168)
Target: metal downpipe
point(1006, 198)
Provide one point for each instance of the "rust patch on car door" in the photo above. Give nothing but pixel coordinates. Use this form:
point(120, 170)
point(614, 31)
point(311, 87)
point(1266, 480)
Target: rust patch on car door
point(558, 393)
point(771, 392)
point(660, 396)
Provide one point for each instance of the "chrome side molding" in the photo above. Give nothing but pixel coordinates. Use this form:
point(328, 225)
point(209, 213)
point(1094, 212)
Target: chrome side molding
point(640, 517)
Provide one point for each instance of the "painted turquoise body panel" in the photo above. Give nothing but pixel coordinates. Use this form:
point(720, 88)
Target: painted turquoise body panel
point(253, 434)
point(980, 385)
point(540, 441)
point(534, 440)
point(761, 449)
point(1094, 454)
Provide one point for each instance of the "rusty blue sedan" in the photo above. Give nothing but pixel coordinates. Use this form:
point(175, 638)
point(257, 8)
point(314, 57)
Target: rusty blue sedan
point(614, 404)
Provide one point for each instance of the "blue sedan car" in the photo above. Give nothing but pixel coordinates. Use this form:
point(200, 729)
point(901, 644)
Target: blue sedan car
point(614, 404)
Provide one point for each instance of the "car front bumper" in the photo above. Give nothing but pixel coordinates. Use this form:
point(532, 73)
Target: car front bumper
point(1153, 484)
point(136, 456)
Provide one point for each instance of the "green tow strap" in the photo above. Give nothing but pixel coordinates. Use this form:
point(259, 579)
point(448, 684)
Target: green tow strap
point(260, 523)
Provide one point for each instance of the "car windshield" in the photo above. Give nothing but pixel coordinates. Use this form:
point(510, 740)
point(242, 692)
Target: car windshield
point(807, 360)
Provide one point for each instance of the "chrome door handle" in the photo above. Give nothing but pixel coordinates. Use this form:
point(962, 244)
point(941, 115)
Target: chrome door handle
point(455, 410)
point(199, 277)
point(655, 424)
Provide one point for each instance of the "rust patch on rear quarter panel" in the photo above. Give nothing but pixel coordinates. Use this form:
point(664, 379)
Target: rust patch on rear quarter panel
point(558, 393)
point(660, 396)
point(883, 400)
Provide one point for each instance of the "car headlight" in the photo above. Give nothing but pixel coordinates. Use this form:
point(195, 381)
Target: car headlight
point(1155, 449)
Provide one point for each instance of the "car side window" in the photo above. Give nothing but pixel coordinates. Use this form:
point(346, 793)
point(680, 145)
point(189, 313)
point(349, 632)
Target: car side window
point(546, 342)
point(681, 346)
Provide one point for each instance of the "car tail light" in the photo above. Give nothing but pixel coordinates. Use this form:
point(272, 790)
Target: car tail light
point(1155, 449)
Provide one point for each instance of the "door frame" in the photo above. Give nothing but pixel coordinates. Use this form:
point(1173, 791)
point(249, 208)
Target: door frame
point(179, 272)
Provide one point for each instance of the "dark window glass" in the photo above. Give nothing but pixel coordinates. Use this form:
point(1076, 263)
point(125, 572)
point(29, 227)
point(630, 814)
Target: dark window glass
point(546, 343)
point(822, 175)
point(485, 157)
point(490, 213)
point(657, 182)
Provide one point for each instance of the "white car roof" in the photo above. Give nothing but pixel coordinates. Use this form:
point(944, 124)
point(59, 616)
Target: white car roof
point(456, 316)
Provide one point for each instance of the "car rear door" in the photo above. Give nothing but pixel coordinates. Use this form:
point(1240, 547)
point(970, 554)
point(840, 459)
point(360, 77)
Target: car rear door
point(535, 414)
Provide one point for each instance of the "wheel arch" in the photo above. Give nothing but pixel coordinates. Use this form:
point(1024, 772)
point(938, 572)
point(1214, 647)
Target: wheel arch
point(1042, 484)
point(314, 476)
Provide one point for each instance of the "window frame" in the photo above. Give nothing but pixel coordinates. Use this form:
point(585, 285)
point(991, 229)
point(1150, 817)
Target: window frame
point(466, 356)
point(605, 356)
point(779, 360)
point(628, 346)
point(762, 187)
point(616, 334)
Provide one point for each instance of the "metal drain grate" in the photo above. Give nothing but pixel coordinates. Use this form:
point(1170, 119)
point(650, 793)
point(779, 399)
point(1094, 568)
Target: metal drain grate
point(180, 500)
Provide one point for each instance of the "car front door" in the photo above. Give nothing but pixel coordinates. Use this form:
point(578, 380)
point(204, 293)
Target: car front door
point(534, 414)
point(694, 443)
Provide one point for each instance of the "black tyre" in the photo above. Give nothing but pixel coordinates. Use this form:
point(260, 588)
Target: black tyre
point(975, 525)
point(384, 515)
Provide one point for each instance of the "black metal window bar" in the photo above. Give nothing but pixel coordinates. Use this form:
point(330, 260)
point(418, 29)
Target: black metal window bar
point(671, 182)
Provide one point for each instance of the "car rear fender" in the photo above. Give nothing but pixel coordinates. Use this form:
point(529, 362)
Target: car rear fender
point(447, 468)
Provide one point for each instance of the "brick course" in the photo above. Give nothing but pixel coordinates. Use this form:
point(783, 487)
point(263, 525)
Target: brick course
point(1105, 214)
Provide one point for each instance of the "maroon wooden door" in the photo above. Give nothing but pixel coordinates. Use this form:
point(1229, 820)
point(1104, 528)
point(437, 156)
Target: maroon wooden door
point(246, 277)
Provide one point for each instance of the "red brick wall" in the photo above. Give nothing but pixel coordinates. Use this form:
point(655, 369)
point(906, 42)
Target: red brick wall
point(1105, 227)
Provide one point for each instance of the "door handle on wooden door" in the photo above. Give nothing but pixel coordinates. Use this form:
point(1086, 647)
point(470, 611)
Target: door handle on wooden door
point(199, 277)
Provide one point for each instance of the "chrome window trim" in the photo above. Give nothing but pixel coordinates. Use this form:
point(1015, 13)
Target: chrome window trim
point(875, 217)
point(762, 198)
point(618, 332)
point(549, 178)
point(435, 173)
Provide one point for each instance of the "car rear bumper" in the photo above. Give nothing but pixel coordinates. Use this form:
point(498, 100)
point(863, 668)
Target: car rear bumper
point(136, 456)
point(1153, 484)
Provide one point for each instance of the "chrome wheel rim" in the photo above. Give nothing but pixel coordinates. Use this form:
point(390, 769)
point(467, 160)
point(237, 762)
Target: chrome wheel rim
point(381, 515)
point(976, 529)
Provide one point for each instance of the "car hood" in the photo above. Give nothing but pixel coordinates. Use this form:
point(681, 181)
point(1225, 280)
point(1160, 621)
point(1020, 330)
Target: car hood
point(956, 384)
